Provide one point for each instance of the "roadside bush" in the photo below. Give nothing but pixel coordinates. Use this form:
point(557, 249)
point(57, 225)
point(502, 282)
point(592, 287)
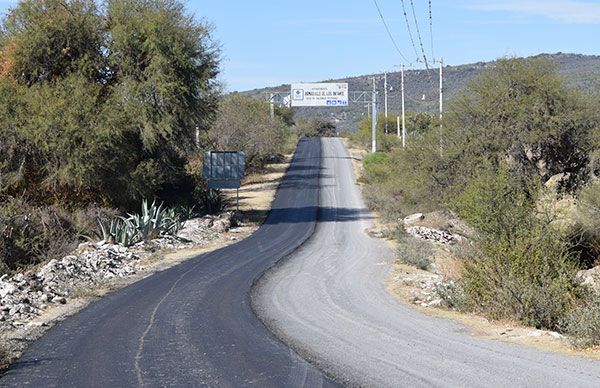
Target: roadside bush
point(586, 234)
point(520, 110)
point(406, 180)
point(582, 325)
point(312, 127)
point(415, 252)
point(385, 141)
point(100, 101)
point(526, 270)
point(244, 124)
point(30, 235)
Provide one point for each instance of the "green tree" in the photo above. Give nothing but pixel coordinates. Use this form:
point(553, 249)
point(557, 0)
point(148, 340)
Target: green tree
point(102, 104)
point(520, 110)
point(244, 124)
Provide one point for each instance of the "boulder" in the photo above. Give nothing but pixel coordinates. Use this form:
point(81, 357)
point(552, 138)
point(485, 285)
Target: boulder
point(408, 220)
point(590, 278)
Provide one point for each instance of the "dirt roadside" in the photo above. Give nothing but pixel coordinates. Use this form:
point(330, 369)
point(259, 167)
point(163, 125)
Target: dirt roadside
point(256, 196)
point(406, 283)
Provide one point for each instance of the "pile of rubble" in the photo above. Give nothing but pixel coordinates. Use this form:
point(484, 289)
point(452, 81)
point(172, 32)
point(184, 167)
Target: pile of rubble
point(430, 234)
point(25, 295)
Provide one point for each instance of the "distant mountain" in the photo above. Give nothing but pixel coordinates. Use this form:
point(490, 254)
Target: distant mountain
point(422, 87)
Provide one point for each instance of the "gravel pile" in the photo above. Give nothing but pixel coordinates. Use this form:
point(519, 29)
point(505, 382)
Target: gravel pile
point(24, 295)
point(430, 234)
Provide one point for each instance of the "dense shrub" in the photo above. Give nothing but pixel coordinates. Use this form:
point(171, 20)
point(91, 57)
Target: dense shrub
point(385, 140)
point(32, 234)
point(583, 323)
point(407, 179)
point(520, 110)
point(586, 233)
point(315, 127)
point(414, 252)
point(527, 268)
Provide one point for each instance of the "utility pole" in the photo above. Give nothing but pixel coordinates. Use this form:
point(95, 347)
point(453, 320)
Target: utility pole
point(374, 119)
point(403, 114)
point(385, 93)
point(271, 106)
point(441, 107)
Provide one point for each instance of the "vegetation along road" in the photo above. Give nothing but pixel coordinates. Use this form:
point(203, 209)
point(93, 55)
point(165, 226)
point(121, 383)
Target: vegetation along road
point(190, 325)
point(328, 301)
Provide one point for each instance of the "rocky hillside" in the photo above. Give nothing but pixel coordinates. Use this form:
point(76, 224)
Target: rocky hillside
point(421, 87)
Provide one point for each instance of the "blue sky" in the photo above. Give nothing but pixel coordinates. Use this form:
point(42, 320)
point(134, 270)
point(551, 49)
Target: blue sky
point(267, 42)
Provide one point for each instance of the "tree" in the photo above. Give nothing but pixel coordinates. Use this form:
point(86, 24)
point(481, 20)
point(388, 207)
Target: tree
point(102, 104)
point(164, 64)
point(520, 110)
point(244, 124)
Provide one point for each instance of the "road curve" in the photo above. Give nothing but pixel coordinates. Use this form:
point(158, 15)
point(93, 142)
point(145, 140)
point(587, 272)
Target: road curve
point(328, 302)
point(191, 325)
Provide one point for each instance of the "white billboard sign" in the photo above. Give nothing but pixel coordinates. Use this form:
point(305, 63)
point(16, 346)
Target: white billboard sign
point(320, 94)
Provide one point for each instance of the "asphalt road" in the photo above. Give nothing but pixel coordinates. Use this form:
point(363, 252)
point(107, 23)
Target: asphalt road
point(329, 303)
point(191, 325)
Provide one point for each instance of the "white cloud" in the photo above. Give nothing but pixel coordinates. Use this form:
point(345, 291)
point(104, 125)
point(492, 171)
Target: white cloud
point(566, 11)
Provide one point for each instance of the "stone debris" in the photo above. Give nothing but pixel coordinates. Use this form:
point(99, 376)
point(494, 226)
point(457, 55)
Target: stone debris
point(208, 227)
point(25, 295)
point(430, 234)
point(425, 285)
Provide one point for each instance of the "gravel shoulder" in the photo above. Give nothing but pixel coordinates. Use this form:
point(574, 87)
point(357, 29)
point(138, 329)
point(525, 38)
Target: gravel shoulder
point(329, 301)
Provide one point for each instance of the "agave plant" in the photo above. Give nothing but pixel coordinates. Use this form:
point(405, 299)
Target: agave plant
point(119, 231)
point(152, 222)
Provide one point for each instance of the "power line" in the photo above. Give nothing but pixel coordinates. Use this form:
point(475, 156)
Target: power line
point(388, 31)
point(431, 31)
point(412, 41)
point(419, 34)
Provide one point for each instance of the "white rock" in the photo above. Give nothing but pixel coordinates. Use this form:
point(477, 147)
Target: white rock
point(7, 289)
point(413, 218)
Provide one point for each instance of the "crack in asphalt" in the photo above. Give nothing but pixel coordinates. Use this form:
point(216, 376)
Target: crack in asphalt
point(142, 338)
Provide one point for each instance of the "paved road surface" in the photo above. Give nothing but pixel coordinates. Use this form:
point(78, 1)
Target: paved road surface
point(328, 301)
point(191, 325)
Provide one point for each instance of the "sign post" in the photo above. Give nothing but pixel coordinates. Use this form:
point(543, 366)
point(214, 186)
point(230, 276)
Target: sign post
point(224, 170)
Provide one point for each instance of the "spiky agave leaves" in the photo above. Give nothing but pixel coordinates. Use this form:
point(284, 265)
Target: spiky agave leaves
point(153, 221)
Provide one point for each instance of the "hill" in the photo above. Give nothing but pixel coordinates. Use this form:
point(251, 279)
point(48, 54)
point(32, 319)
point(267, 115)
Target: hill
point(422, 87)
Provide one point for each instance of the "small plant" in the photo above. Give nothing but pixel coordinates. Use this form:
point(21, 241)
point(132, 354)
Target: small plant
point(212, 201)
point(452, 294)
